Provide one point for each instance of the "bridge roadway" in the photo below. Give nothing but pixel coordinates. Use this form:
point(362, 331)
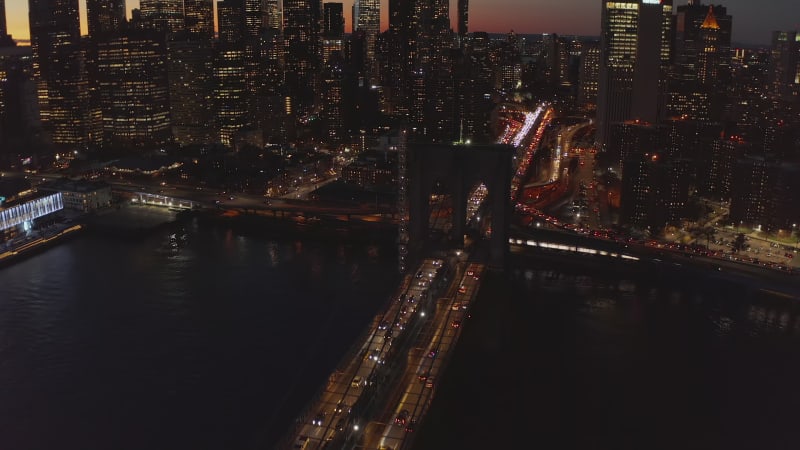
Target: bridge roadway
point(381, 376)
point(255, 203)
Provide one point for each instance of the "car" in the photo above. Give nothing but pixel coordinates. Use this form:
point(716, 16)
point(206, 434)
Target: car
point(456, 324)
point(383, 325)
point(432, 354)
point(375, 355)
point(462, 289)
point(429, 383)
point(423, 377)
point(456, 306)
point(402, 418)
point(411, 425)
point(318, 419)
point(470, 273)
point(341, 407)
point(356, 382)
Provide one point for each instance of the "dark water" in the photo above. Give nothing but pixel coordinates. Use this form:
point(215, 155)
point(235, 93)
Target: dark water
point(557, 359)
point(111, 344)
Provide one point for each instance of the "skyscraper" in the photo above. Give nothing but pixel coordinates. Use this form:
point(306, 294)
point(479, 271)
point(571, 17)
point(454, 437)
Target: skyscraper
point(273, 11)
point(588, 73)
point(5, 39)
point(785, 76)
point(367, 18)
point(701, 69)
point(199, 17)
point(463, 18)
point(59, 70)
point(190, 70)
point(133, 87)
point(302, 28)
point(333, 21)
point(105, 16)
point(230, 102)
point(163, 15)
point(332, 31)
point(634, 56)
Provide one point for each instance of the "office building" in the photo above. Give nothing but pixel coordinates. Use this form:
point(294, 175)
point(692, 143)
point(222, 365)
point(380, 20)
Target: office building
point(785, 60)
point(59, 68)
point(634, 58)
point(589, 74)
point(367, 19)
point(302, 26)
point(163, 15)
point(190, 72)
point(701, 71)
point(5, 38)
point(463, 19)
point(199, 17)
point(133, 89)
point(105, 16)
point(333, 21)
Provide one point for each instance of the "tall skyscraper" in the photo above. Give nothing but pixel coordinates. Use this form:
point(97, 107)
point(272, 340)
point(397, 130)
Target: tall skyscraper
point(463, 18)
point(588, 74)
point(701, 69)
point(256, 17)
point(634, 57)
point(105, 16)
point(785, 76)
point(274, 19)
point(190, 71)
point(367, 18)
point(133, 88)
point(230, 104)
point(59, 70)
point(333, 21)
point(332, 31)
point(302, 26)
point(5, 39)
point(163, 15)
point(199, 17)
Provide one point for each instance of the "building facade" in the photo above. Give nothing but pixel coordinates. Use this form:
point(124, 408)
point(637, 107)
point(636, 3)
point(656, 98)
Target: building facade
point(59, 68)
point(635, 46)
point(134, 89)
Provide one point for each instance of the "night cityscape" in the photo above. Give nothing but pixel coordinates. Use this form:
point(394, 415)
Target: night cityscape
point(402, 224)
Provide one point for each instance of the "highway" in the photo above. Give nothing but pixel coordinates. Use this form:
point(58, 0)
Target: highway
point(393, 429)
point(338, 412)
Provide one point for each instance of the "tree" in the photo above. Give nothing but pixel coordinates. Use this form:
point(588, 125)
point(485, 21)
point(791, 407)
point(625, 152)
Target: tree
point(740, 243)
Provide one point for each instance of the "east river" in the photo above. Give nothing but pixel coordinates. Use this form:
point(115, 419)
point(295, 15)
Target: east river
point(108, 343)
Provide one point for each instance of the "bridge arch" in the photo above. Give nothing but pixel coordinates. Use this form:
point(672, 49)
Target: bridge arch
point(460, 168)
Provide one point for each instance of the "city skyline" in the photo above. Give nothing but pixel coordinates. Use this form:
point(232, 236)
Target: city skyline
point(568, 17)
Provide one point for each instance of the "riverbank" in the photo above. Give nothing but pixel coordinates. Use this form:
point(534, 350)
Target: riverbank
point(32, 246)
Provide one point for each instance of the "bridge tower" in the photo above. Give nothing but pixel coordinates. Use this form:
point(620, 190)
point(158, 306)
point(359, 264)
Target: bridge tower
point(459, 167)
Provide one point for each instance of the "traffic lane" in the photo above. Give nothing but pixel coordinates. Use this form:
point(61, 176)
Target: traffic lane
point(327, 414)
point(419, 391)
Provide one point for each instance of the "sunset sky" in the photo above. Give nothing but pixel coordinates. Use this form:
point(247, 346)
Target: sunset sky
point(753, 21)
